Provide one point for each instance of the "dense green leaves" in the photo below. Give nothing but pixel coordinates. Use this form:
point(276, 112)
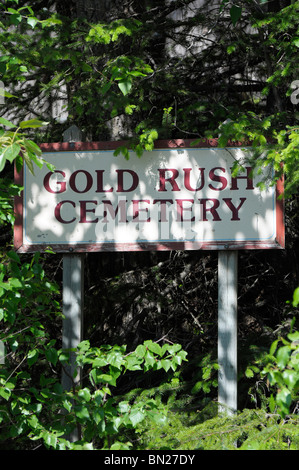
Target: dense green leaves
point(284, 373)
point(14, 145)
point(25, 302)
point(94, 407)
point(137, 74)
point(268, 147)
point(132, 63)
point(98, 411)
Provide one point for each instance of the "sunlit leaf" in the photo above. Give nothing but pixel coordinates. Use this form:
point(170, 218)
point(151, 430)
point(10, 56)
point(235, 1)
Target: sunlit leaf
point(32, 123)
point(125, 86)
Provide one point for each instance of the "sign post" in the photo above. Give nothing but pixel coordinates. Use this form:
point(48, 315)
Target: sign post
point(227, 330)
point(72, 303)
point(72, 299)
point(177, 197)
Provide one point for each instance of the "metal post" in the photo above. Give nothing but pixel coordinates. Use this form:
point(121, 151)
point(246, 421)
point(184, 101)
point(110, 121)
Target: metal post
point(72, 298)
point(72, 292)
point(227, 330)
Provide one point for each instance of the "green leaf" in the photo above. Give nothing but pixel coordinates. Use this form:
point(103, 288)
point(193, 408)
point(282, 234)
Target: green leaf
point(149, 358)
point(273, 347)
point(283, 355)
point(231, 48)
point(158, 417)
point(106, 87)
point(32, 22)
point(249, 373)
point(82, 412)
point(35, 159)
point(67, 405)
point(102, 378)
point(5, 393)
point(283, 400)
point(294, 336)
point(125, 86)
point(15, 19)
point(171, 348)
point(84, 345)
point(291, 378)
point(32, 147)
point(14, 256)
point(33, 421)
point(124, 407)
point(13, 11)
point(295, 302)
point(183, 356)
point(166, 364)
point(32, 123)
point(52, 355)
point(6, 123)
point(50, 439)
point(15, 282)
point(136, 416)
point(129, 109)
point(153, 347)
point(121, 446)
point(84, 393)
point(235, 14)
point(133, 362)
point(197, 387)
point(115, 359)
point(140, 350)
point(252, 445)
point(28, 162)
point(12, 152)
point(32, 356)
point(5, 93)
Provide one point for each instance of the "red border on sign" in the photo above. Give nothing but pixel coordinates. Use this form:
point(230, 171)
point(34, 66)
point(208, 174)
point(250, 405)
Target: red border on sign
point(21, 247)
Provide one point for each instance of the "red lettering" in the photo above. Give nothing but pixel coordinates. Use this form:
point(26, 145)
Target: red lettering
point(120, 181)
point(88, 184)
point(211, 209)
point(218, 179)
point(137, 209)
point(181, 208)
point(113, 213)
point(83, 211)
point(187, 179)
point(234, 209)
point(163, 207)
point(57, 212)
point(234, 184)
point(100, 188)
point(171, 179)
point(62, 184)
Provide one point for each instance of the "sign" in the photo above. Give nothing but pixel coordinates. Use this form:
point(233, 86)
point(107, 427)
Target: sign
point(174, 197)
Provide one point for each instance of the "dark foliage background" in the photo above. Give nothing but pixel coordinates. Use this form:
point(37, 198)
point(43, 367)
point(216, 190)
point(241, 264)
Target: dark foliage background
point(203, 70)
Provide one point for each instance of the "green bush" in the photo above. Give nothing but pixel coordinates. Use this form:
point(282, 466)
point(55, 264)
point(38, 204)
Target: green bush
point(283, 374)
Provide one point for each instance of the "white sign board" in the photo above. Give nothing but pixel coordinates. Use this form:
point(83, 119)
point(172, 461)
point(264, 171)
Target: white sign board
point(170, 198)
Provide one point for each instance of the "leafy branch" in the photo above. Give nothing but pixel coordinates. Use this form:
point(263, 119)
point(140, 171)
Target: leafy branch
point(14, 145)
